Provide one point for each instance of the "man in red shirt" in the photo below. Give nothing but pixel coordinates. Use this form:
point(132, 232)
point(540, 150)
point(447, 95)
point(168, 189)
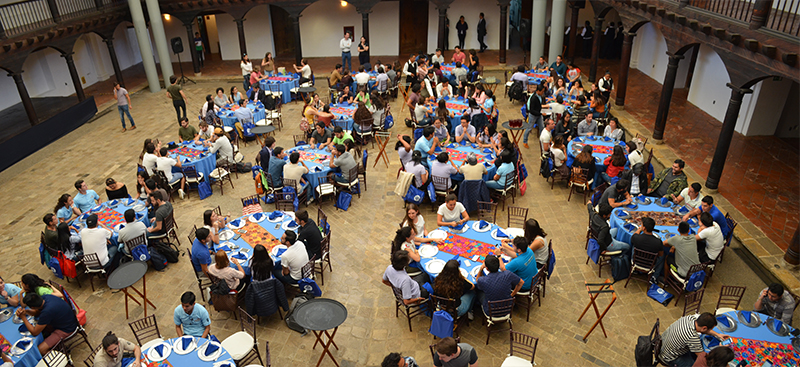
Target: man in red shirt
point(458, 56)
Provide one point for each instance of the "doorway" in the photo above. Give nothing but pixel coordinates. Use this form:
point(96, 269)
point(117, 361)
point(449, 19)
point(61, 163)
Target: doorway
point(282, 33)
point(413, 26)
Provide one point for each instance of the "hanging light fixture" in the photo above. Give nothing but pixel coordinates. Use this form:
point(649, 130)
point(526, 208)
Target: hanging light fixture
point(344, 3)
point(166, 17)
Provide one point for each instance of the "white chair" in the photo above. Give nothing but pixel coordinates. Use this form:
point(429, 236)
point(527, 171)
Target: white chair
point(263, 122)
point(243, 345)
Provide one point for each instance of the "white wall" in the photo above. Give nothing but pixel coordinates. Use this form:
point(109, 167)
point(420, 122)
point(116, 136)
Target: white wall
point(92, 60)
point(384, 29)
point(46, 74)
point(228, 36)
point(8, 92)
point(470, 9)
point(257, 33)
point(322, 26)
point(766, 104)
point(708, 91)
point(126, 46)
point(649, 53)
point(213, 36)
point(174, 28)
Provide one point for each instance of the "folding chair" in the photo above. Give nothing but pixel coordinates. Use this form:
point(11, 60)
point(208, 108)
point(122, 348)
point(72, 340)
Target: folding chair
point(93, 267)
point(579, 179)
point(643, 262)
point(527, 297)
point(243, 345)
point(146, 332)
point(383, 138)
point(488, 211)
point(409, 311)
point(692, 304)
point(729, 298)
point(525, 345)
point(284, 201)
point(499, 312)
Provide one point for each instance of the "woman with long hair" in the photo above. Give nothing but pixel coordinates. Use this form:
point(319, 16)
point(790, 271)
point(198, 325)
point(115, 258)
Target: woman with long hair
point(586, 160)
point(598, 104)
point(378, 109)
point(65, 209)
point(261, 264)
point(69, 242)
point(537, 239)
point(419, 170)
point(214, 223)
point(613, 130)
point(235, 96)
point(404, 148)
point(362, 96)
point(580, 110)
point(362, 113)
point(488, 137)
point(717, 357)
point(615, 163)
point(141, 186)
point(451, 284)
point(404, 240)
point(116, 190)
point(222, 270)
point(558, 152)
point(32, 283)
point(415, 220)
point(268, 63)
point(247, 68)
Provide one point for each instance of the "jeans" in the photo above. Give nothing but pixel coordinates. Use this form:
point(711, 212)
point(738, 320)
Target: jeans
point(340, 179)
point(278, 273)
point(466, 303)
point(461, 38)
point(113, 258)
point(125, 110)
point(179, 105)
point(496, 185)
point(346, 60)
point(176, 176)
point(597, 114)
point(534, 120)
point(686, 360)
point(200, 57)
point(617, 245)
point(246, 83)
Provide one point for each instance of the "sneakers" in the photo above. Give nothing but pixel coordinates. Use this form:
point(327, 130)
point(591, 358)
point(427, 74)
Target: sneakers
point(525, 145)
point(181, 193)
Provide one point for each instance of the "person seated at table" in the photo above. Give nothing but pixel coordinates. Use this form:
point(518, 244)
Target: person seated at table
point(316, 102)
point(257, 94)
point(707, 206)
point(506, 147)
point(150, 186)
point(416, 167)
point(580, 109)
point(295, 169)
point(346, 95)
point(131, 230)
point(614, 164)
point(351, 148)
point(65, 210)
point(415, 220)
point(606, 237)
point(262, 158)
point(187, 132)
point(214, 223)
point(546, 137)
point(322, 137)
point(50, 230)
point(440, 132)
point(382, 81)
point(340, 136)
point(616, 195)
point(670, 181)
point(361, 115)
point(775, 302)
point(304, 71)
point(396, 276)
point(559, 88)
point(682, 253)
point(149, 157)
point(414, 96)
point(31, 283)
point(344, 161)
point(719, 356)
point(597, 104)
point(9, 294)
point(585, 160)
point(165, 164)
point(243, 114)
point(85, 199)
point(69, 242)
point(450, 283)
point(444, 167)
point(363, 96)
point(309, 234)
point(261, 264)
point(395, 360)
point(451, 213)
point(191, 318)
point(588, 126)
point(523, 263)
point(613, 130)
point(256, 76)
point(222, 270)
point(97, 241)
point(564, 127)
point(644, 240)
point(54, 318)
point(116, 190)
point(428, 90)
point(576, 90)
point(710, 240)
point(488, 137)
point(557, 152)
point(422, 113)
point(426, 144)
point(403, 148)
point(289, 271)
point(465, 132)
point(444, 89)
point(235, 96)
point(498, 285)
point(201, 252)
point(220, 99)
point(633, 153)
point(519, 76)
point(557, 107)
point(638, 178)
point(471, 169)
point(220, 144)
point(498, 182)
point(162, 210)
point(405, 239)
point(336, 76)
point(114, 352)
point(362, 78)
point(276, 163)
point(681, 342)
point(542, 66)
point(690, 196)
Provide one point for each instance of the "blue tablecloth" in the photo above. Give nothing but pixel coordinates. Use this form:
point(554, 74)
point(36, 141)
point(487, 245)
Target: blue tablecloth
point(624, 234)
point(345, 120)
point(10, 331)
point(228, 119)
point(536, 78)
point(313, 174)
point(370, 84)
point(266, 224)
point(203, 164)
point(758, 333)
point(485, 237)
point(285, 87)
point(456, 119)
point(191, 359)
point(491, 169)
point(119, 206)
point(573, 151)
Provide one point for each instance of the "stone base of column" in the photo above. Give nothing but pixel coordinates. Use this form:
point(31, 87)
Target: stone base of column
point(710, 191)
point(657, 141)
point(619, 107)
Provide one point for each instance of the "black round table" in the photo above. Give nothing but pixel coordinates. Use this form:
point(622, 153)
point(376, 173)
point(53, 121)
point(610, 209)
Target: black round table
point(305, 91)
point(125, 276)
point(320, 315)
point(516, 131)
point(492, 86)
point(259, 130)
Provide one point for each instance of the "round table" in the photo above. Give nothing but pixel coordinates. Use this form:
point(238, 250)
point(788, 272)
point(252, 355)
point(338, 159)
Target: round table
point(260, 130)
point(111, 214)
point(666, 224)
point(10, 331)
point(305, 91)
point(516, 132)
point(536, 77)
point(191, 359)
point(226, 113)
point(602, 149)
point(343, 115)
point(320, 315)
point(283, 82)
point(492, 86)
point(370, 84)
point(317, 160)
point(753, 345)
point(125, 276)
point(458, 154)
point(458, 106)
point(194, 155)
point(264, 233)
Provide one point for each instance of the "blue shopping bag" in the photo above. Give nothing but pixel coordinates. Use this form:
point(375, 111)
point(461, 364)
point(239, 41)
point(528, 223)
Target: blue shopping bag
point(414, 195)
point(593, 250)
point(204, 189)
point(55, 267)
point(309, 286)
point(655, 292)
point(696, 281)
point(441, 324)
point(140, 253)
point(551, 265)
point(343, 201)
point(523, 172)
point(388, 122)
point(432, 192)
point(291, 189)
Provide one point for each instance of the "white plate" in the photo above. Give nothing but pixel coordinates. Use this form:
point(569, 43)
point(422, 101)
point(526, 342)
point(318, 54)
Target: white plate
point(177, 346)
point(428, 250)
point(286, 227)
point(139, 207)
point(226, 235)
point(494, 235)
point(464, 272)
point(19, 351)
point(141, 364)
point(201, 352)
point(153, 356)
point(230, 245)
point(228, 363)
point(437, 233)
point(242, 222)
point(275, 249)
point(118, 227)
point(276, 220)
point(474, 271)
point(435, 266)
point(476, 228)
point(260, 216)
point(514, 232)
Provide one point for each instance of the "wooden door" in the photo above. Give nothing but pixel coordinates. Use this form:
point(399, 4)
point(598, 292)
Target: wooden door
point(413, 27)
point(282, 34)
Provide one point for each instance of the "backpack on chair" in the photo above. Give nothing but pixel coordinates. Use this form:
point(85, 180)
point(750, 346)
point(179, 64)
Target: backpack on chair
point(515, 91)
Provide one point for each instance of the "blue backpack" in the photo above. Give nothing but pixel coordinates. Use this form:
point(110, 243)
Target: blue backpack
point(696, 281)
point(309, 286)
point(55, 266)
point(140, 253)
point(655, 292)
point(441, 324)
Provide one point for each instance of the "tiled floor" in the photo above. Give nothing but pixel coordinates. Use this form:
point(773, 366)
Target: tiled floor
point(360, 245)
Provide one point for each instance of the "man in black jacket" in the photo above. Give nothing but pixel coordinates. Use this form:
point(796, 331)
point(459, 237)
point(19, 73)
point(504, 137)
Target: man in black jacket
point(482, 33)
point(257, 94)
point(309, 234)
point(605, 236)
point(534, 112)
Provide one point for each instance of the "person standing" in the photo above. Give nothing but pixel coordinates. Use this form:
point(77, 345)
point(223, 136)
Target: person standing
point(247, 68)
point(482, 33)
point(123, 105)
point(534, 113)
point(587, 34)
point(198, 48)
point(363, 54)
point(175, 93)
point(345, 45)
point(461, 29)
point(446, 32)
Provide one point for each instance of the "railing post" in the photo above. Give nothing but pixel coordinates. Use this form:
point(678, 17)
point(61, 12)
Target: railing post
point(54, 11)
point(2, 31)
point(98, 4)
point(760, 13)
point(683, 3)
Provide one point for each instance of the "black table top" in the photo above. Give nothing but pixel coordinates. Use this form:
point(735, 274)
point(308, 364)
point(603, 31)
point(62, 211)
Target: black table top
point(262, 129)
point(307, 89)
point(320, 314)
point(127, 274)
point(507, 126)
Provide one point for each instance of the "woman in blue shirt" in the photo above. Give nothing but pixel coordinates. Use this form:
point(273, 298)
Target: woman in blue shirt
point(65, 209)
point(499, 180)
point(9, 293)
point(235, 96)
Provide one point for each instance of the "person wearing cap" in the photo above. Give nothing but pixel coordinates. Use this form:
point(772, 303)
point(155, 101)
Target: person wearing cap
point(98, 241)
point(471, 169)
point(220, 144)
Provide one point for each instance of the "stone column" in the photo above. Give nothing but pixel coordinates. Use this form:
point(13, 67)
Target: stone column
point(160, 39)
point(190, 45)
point(725, 135)
point(73, 73)
point(624, 66)
point(792, 255)
point(242, 40)
point(598, 26)
point(503, 31)
point(557, 19)
point(666, 96)
point(440, 41)
point(114, 62)
point(760, 13)
point(25, 97)
point(143, 38)
point(364, 24)
point(573, 32)
point(538, 28)
point(298, 45)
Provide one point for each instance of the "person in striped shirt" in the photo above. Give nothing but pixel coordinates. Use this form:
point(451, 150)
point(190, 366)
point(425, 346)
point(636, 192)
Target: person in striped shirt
point(681, 341)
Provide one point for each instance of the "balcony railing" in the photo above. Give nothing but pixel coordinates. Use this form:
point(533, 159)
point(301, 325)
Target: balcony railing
point(778, 15)
point(32, 15)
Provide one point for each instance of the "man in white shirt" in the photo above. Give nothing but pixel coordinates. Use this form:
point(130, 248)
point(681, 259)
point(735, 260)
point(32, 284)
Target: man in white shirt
point(345, 45)
point(149, 158)
point(690, 196)
point(465, 131)
point(520, 76)
point(438, 57)
point(362, 78)
point(295, 170)
point(131, 230)
point(459, 72)
point(546, 136)
point(164, 164)
point(712, 234)
point(205, 131)
point(292, 260)
point(220, 144)
point(382, 81)
point(96, 241)
point(606, 85)
point(410, 69)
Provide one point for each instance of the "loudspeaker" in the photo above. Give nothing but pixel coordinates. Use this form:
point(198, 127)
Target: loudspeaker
point(177, 45)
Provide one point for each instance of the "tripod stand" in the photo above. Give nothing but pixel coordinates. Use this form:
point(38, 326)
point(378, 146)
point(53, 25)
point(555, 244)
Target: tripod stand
point(183, 78)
